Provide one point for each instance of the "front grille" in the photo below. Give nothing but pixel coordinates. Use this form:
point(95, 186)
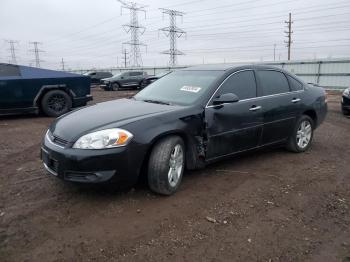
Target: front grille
point(59, 141)
point(80, 176)
point(56, 140)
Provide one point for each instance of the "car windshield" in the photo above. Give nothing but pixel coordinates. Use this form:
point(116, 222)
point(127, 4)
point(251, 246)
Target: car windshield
point(116, 75)
point(179, 87)
point(163, 74)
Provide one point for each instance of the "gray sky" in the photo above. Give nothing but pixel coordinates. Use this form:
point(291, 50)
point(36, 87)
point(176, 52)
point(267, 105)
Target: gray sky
point(89, 33)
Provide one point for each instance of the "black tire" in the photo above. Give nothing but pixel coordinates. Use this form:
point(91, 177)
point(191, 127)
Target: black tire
point(292, 144)
point(159, 166)
point(115, 87)
point(55, 103)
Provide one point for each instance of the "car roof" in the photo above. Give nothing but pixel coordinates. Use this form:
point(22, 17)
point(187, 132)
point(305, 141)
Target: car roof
point(227, 67)
point(28, 72)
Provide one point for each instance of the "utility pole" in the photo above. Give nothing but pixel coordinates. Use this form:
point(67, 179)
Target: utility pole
point(289, 34)
point(62, 64)
point(36, 52)
point(274, 52)
point(12, 49)
point(173, 32)
point(135, 30)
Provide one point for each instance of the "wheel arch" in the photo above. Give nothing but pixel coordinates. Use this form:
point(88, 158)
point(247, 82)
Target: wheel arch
point(312, 114)
point(189, 147)
point(46, 88)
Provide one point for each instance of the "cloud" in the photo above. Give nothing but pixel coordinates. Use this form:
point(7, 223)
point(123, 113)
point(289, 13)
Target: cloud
point(89, 33)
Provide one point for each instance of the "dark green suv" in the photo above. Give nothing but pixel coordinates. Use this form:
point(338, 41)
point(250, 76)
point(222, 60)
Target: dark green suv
point(130, 79)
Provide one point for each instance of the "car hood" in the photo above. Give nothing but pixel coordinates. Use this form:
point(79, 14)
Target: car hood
point(114, 113)
point(110, 78)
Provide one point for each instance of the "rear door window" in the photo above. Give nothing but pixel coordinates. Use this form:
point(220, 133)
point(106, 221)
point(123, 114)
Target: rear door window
point(241, 84)
point(294, 84)
point(272, 82)
point(9, 70)
point(135, 73)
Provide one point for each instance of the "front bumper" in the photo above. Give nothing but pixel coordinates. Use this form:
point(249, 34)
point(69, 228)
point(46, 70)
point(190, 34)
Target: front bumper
point(345, 103)
point(105, 85)
point(118, 165)
point(81, 101)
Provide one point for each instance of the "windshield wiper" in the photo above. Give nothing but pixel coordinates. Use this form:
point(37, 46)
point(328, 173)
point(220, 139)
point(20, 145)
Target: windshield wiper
point(156, 102)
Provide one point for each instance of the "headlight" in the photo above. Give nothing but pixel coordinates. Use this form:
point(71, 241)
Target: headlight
point(346, 92)
point(108, 138)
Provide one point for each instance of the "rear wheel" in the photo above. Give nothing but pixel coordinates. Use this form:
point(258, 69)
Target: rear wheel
point(55, 103)
point(302, 136)
point(166, 165)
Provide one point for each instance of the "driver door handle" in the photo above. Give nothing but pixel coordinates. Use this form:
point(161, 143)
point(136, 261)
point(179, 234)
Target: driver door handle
point(295, 100)
point(255, 108)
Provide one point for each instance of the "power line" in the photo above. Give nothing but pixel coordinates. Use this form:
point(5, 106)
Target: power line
point(173, 32)
point(53, 41)
point(231, 21)
point(12, 49)
point(36, 52)
point(135, 30)
point(225, 6)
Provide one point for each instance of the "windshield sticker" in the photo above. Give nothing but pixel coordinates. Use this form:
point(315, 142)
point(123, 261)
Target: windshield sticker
point(193, 89)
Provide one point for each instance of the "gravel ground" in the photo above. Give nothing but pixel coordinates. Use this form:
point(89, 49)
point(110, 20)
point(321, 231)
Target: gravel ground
point(270, 205)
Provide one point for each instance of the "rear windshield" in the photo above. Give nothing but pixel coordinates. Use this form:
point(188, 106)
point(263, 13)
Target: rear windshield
point(179, 87)
point(9, 70)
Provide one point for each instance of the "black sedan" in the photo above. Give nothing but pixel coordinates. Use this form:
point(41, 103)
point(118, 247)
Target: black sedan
point(187, 119)
point(345, 102)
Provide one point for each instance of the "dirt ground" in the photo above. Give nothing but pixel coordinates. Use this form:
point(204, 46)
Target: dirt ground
point(270, 205)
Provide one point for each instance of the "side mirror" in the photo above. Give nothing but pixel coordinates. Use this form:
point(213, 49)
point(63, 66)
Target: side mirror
point(225, 98)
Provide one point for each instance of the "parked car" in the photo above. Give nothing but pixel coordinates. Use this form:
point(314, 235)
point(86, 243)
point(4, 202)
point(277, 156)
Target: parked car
point(131, 79)
point(187, 119)
point(345, 101)
point(97, 76)
point(26, 89)
point(150, 79)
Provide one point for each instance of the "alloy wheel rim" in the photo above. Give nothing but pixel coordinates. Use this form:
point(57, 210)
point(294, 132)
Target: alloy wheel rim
point(304, 134)
point(175, 165)
point(57, 103)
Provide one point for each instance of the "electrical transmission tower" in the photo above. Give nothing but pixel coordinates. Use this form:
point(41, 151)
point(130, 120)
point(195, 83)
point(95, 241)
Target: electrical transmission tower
point(12, 49)
point(135, 30)
point(36, 52)
point(62, 64)
point(289, 34)
point(173, 32)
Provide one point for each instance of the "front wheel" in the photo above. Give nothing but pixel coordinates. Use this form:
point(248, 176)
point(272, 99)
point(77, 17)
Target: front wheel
point(166, 165)
point(302, 135)
point(115, 87)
